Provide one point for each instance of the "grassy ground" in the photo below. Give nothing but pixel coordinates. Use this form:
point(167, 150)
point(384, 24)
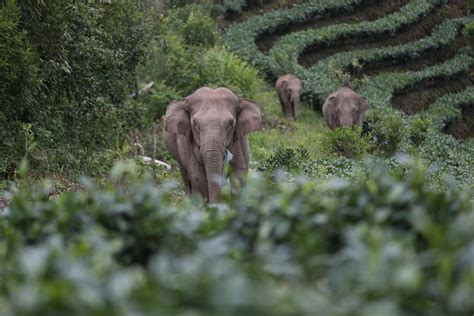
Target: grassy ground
point(280, 132)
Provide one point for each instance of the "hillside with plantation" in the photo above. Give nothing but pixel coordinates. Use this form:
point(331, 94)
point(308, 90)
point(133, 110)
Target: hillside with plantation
point(109, 206)
point(410, 59)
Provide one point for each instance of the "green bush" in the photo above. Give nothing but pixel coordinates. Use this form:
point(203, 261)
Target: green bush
point(199, 30)
point(223, 68)
point(347, 142)
point(158, 99)
point(386, 129)
point(285, 159)
point(383, 244)
point(234, 6)
point(418, 129)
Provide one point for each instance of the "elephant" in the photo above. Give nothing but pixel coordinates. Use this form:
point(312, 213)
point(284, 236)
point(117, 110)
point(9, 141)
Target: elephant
point(289, 90)
point(202, 130)
point(345, 108)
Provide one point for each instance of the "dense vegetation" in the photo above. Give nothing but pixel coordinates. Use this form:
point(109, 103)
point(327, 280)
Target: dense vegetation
point(382, 245)
point(66, 71)
point(377, 220)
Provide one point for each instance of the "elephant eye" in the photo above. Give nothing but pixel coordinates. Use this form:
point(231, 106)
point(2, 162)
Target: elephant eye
point(195, 124)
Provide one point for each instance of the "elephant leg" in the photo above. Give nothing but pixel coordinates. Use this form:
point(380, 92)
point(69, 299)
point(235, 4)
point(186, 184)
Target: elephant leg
point(288, 112)
point(282, 103)
point(172, 143)
point(185, 177)
point(293, 110)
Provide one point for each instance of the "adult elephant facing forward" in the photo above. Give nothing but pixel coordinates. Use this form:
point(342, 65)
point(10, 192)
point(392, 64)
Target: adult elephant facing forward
point(202, 129)
point(345, 108)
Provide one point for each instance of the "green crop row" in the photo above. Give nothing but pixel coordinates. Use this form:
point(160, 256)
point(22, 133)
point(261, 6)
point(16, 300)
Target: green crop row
point(380, 89)
point(241, 37)
point(437, 149)
point(324, 78)
point(447, 108)
point(234, 5)
point(284, 55)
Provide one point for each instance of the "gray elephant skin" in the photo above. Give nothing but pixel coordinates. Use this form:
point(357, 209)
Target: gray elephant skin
point(345, 108)
point(199, 129)
point(289, 90)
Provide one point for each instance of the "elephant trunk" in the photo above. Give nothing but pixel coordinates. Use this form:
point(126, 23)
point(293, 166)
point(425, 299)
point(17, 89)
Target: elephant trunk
point(213, 158)
point(346, 121)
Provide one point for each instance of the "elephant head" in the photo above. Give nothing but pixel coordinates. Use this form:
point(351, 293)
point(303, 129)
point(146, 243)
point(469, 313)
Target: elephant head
point(213, 120)
point(345, 108)
point(289, 89)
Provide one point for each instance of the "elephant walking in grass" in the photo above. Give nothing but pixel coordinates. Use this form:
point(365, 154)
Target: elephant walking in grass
point(203, 130)
point(345, 108)
point(289, 90)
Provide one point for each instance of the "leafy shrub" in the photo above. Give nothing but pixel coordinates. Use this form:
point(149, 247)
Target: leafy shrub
point(223, 68)
point(234, 6)
point(449, 156)
point(199, 30)
point(158, 99)
point(386, 129)
point(383, 244)
point(417, 129)
point(288, 159)
point(347, 142)
point(173, 62)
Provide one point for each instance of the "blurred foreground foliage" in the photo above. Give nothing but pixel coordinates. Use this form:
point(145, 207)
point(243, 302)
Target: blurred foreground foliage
point(384, 245)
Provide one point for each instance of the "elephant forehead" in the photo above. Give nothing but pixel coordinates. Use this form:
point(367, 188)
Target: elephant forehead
point(218, 93)
point(347, 92)
point(220, 99)
point(213, 113)
point(347, 103)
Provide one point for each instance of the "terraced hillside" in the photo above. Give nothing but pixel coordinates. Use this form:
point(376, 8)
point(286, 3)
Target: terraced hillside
point(407, 57)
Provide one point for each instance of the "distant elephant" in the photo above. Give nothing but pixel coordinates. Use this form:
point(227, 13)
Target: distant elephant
point(345, 108)
point(202, 130)
point(289, 90)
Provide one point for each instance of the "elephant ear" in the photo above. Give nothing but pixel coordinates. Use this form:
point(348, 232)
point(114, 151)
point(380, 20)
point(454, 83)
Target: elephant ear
point(363, 107)
point(177, 119)
point(329, 111)
point(249, 119)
